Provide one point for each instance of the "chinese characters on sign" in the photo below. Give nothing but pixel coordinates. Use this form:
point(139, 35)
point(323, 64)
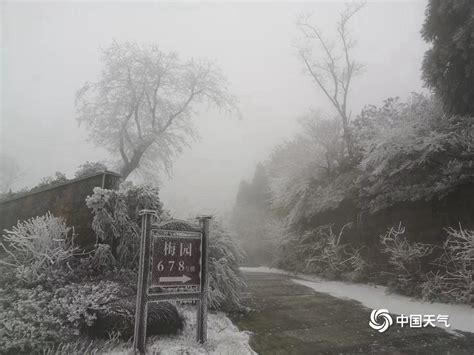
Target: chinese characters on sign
point(176, 259)
point(173, 268)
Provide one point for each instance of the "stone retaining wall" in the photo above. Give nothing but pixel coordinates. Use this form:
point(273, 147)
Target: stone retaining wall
point(65, 200)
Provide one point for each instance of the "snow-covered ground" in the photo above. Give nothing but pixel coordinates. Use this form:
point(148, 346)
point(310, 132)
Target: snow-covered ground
point(461, 317)
point(223, 337)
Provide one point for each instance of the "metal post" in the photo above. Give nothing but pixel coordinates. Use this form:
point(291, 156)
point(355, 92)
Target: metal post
point(139, 339)
point(202, 302)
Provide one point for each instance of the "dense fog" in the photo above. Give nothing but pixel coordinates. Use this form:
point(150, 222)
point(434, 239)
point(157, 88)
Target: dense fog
point(50, 50)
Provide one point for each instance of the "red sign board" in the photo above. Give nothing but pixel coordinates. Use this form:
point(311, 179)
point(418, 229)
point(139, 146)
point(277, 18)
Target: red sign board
point(176, 259)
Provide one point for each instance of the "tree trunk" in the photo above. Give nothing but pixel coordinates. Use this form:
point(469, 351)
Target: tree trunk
point(130, 166)
point(347, 136)
point(133, 163)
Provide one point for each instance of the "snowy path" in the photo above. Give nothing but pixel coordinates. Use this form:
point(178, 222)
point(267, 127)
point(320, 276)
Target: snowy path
point(461, 317)
point(291, 318)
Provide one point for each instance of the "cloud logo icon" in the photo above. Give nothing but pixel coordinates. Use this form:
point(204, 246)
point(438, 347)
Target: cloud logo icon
point(380, 320)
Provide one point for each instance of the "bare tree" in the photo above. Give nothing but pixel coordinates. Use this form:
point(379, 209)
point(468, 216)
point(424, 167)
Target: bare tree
point(331, 65)
point(142, 105)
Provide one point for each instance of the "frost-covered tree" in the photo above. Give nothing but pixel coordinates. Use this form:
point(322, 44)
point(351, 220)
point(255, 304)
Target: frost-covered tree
point(327, 134)
point(331, 65)
point(291, 167)
point(90, 168)
point(142, 105)
point(412, 150)
point(305, 172)
point(448, 67)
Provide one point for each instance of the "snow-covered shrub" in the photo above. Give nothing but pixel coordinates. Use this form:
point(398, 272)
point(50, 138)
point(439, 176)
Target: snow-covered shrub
point(37, 318)
point(116, 221)
point(47, 293)
point(309, 174)
point(321, 251)
point(89, 168)
point(225, 280)
point(101, 258)
point(408, 261)
point(58, 178)
point(411, 151)
point(405, 151)
point(454, 279)
point(36, 244)
point(358, 266)
point(328, 253)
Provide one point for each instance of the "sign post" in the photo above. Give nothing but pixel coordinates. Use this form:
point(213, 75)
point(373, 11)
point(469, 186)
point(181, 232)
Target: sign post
point(202, 303)
point(173, 266)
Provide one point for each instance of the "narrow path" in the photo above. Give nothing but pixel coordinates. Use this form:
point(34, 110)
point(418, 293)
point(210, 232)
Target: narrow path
point(289, 318)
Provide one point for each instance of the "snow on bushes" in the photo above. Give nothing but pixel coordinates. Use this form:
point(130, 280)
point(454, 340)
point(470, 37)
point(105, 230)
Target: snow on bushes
point(117, 223)
point(406, 259)
point(36, 244)
point(453, 281)
point(411, 151)
point(40, 305)
point(225, 280)
point(450, 277)
point(50, 293)
point(321, 251)
point(432, 272)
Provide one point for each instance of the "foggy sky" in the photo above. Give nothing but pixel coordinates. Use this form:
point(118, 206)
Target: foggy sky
point(49, 50)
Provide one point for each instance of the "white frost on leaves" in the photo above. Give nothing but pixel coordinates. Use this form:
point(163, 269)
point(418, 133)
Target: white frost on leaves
point(461, 317)
point(223, 337)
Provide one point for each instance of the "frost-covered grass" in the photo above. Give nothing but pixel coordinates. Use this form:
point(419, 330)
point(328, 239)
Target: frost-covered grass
point(222, 338)
point(461, 317)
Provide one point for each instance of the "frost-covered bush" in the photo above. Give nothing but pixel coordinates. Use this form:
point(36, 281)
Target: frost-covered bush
point(446, 278)
point(327, 250)
point(321, 251)
point(411, 151)
point(58, 178)
point(225, 280)
point(454, 279)
point(37, 318)
point(89, 168)
point(407, 259)
point(48, 291)
point(50, 294)
point(116, 221)
point(405, 151)
point(37, 244)
point(307, 175)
